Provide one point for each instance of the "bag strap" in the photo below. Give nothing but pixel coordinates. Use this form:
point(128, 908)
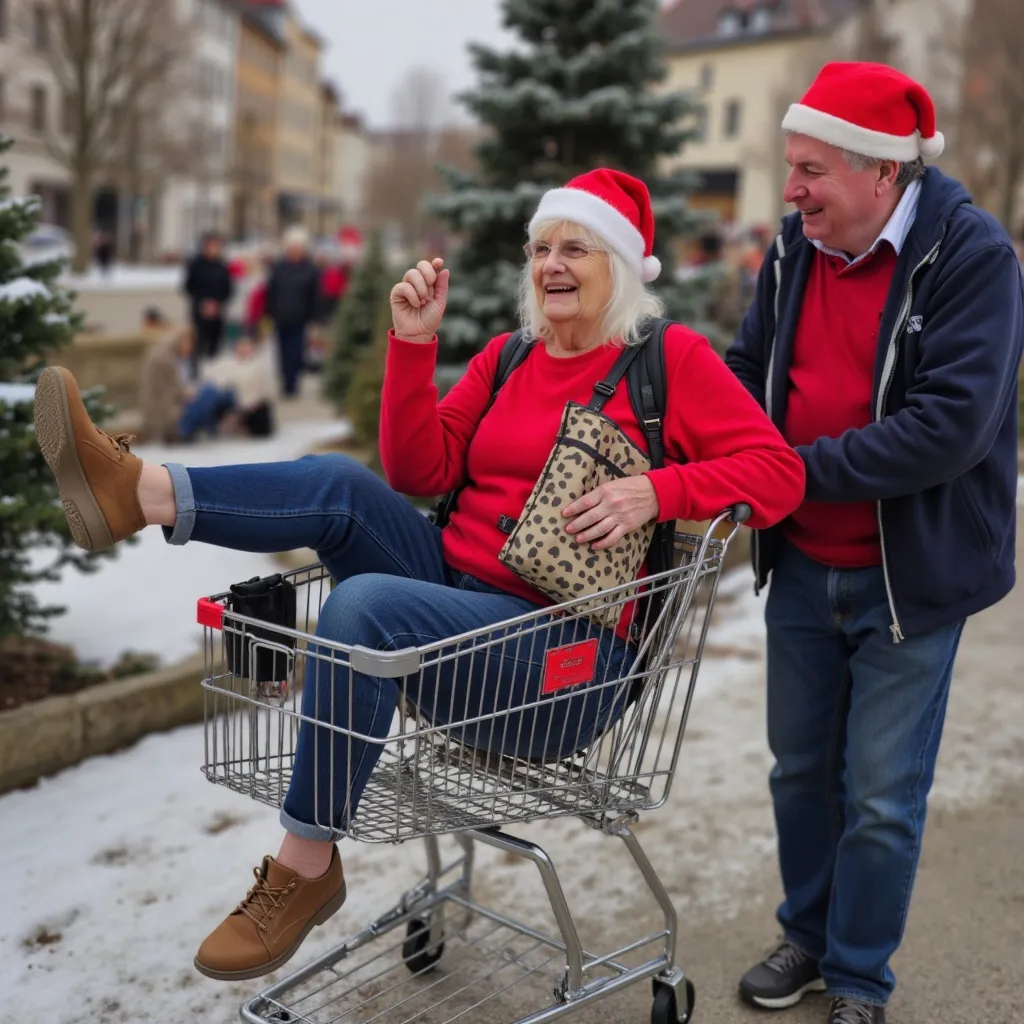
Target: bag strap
point(515, 349)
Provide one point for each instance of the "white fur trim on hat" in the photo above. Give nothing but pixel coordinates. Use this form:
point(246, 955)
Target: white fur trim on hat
point(587, 210)
point(816, 124)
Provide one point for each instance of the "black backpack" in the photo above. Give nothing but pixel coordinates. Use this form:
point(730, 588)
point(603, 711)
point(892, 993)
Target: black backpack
point(645, 378)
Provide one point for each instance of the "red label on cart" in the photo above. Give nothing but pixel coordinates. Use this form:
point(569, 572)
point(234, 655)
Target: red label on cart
point(569, 665)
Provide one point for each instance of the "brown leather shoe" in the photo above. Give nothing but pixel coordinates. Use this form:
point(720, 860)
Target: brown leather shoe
point(269, 925)
point(97, 476)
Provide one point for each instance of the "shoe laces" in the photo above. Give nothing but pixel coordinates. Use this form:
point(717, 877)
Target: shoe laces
point(120, 442)
point(785, 958)
point(850, 1011)
point(262, 899)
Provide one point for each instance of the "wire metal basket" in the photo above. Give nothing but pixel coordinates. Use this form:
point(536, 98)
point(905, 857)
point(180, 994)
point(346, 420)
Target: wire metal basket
point(469, 769)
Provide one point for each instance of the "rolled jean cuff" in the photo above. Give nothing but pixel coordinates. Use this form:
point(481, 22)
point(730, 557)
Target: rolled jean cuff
point(184, 504)
point(304, 830)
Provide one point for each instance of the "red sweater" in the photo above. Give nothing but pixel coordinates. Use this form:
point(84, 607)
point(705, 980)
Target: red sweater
point(830, 384)
point(734, 452)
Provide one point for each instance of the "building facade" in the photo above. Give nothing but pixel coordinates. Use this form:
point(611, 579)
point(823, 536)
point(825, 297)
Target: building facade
point(32, 110)
point(354, 156)
point(258, 86)
point(298, 143)
point(199, 201)
point(745, 61)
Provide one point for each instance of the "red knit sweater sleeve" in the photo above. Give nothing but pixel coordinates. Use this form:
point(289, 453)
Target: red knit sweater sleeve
point(732, 449)
point(423, 442)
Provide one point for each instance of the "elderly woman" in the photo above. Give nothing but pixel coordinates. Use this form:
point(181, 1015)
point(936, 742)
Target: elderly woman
point(401, 580)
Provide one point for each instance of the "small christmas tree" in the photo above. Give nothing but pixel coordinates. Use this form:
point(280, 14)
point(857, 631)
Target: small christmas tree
point(355, 322)
point(35, 320)
point(363, 403)
point(577, 94)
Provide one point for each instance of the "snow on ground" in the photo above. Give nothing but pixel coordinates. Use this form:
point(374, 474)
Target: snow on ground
point(125, 275)
point(116, 869)
point(145, 599)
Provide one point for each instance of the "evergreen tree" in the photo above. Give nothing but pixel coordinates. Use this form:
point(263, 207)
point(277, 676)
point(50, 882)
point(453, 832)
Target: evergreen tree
point(577, 94)
point(354, 325)
point(364, 394)
point(36, 318)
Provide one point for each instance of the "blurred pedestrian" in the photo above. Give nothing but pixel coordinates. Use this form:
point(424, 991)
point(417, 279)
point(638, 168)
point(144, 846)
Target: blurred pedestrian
point(163, 387)
point(291, 303)
point(209, 286)
point(103, 250)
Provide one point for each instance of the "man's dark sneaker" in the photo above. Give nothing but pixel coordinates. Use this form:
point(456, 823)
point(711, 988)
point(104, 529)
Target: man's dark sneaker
point(853, 1011)
point(782, 979)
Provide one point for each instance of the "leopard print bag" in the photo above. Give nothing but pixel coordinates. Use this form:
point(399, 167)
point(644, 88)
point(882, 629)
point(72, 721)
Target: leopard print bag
point(590, 450)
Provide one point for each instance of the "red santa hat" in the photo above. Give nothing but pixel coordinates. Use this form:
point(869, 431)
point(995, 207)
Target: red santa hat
point(870, 109)
point(615, 206)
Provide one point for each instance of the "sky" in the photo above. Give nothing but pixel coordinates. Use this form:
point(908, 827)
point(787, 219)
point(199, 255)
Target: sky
point(373, 44)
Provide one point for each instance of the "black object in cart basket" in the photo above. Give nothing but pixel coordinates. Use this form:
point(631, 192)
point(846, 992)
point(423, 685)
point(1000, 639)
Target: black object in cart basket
point(271, 599)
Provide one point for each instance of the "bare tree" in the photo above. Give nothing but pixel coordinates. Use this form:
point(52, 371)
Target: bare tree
point(114, 62)
point(403, 173)
point(992, 121)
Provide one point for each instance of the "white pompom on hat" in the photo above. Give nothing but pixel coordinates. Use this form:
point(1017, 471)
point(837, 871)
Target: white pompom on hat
point(870, 109)
point(613, 204)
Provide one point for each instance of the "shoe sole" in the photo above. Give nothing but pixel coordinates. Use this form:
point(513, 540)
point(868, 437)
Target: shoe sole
point(327, 911)
point(56, 440)
point(783, 1002)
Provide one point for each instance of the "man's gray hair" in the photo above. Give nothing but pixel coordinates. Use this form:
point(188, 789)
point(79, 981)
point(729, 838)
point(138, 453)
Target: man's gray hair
point(910, 171)
point(630, 302)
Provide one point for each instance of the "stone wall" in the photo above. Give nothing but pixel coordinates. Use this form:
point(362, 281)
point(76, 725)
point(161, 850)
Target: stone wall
point(113, 361)
point(46, 736)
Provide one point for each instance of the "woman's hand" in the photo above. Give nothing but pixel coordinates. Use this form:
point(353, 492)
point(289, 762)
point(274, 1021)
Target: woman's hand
point(607, 513)
point(418, 301)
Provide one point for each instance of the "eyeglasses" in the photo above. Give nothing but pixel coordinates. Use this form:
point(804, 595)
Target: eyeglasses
point(570, 250)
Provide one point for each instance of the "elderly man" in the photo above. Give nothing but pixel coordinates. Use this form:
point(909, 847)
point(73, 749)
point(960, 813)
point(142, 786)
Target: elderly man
point(293, 290)
point(885, 342)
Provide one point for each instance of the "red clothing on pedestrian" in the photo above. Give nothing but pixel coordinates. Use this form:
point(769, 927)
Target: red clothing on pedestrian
point(257, 306)
point(830, 385)
point(333, 281)
point(732, 452)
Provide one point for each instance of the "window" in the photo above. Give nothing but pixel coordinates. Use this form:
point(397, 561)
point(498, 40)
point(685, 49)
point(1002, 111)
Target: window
point(730, 23)
point(760, 20)
point(700, 124)
point(3, 98)
point(40, 28)
point(707, 76)
point(731, 122)
point(38, 110)
point(3, 18)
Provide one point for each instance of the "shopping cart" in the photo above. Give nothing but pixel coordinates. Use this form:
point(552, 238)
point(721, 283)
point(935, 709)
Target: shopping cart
point(440, 955)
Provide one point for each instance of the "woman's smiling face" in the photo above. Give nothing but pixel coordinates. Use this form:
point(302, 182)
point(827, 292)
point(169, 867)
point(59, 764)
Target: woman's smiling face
point(572, 279)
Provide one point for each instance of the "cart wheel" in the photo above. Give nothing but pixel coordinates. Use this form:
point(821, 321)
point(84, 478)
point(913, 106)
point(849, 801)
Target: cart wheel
point(414, 950)
point(665, 1010)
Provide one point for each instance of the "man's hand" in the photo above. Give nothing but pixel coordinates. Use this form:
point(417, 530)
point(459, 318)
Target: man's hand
point(607, 513)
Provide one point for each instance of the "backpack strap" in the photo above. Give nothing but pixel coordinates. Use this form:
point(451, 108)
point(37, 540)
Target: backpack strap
point(515, 349)
point(647, 390)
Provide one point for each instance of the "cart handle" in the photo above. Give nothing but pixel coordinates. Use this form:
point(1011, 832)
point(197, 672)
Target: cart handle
point(740, 513)
point(210, 613)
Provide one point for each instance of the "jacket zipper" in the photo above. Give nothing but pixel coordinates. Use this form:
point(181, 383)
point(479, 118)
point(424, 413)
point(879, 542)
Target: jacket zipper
point(888, 372)
point(781, 250)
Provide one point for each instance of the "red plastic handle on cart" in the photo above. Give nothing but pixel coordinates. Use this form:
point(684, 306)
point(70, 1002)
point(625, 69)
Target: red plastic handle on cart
point(209, 613)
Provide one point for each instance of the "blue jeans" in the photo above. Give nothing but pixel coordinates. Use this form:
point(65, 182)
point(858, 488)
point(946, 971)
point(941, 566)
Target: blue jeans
point(854, 723)
point(291, 344)
point(394, 590)
point(205, 410)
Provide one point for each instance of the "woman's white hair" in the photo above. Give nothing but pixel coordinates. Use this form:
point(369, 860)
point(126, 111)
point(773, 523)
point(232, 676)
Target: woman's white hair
point(630, 302)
